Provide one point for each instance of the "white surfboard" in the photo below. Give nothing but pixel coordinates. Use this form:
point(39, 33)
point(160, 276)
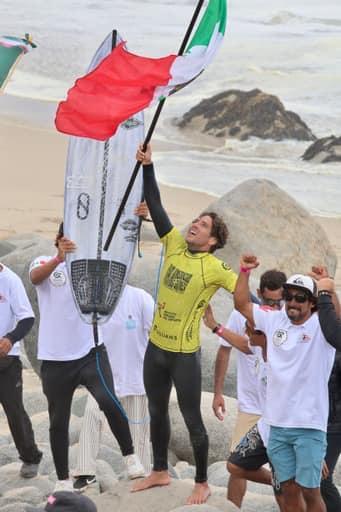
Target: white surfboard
point(97, 175)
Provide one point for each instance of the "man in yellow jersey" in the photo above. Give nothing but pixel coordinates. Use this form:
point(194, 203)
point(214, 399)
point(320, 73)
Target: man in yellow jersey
point(190, 276)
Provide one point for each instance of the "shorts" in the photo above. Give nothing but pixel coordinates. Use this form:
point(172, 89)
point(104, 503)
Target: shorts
point(245, 421)
point(297, 453)
point(250, 454)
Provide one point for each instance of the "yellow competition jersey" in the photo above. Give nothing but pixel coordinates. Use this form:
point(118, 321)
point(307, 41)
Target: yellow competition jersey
point(187, 284)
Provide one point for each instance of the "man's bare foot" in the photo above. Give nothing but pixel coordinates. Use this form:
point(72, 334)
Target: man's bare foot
point(155, 479)
point(201, 493)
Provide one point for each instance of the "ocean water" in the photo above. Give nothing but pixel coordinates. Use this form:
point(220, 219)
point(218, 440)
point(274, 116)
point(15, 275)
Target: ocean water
point(288, 48)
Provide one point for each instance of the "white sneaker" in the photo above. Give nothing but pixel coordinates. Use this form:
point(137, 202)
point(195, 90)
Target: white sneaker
point(64, 485)
point(134, 466)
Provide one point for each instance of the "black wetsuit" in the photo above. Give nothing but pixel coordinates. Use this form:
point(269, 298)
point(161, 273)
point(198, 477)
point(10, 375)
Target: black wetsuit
point(331, 327)
point(163, 368)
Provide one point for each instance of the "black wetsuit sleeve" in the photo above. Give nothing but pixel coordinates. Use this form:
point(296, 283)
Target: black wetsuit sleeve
point(22, 329)
point(330, 323)
point(153, 199)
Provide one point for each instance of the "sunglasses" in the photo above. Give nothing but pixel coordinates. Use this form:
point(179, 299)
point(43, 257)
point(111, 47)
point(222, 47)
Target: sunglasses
point(300, 298)
point(273, 302)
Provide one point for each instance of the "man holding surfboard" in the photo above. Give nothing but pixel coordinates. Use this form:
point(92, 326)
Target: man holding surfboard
point(66, 348)
point(190, 276)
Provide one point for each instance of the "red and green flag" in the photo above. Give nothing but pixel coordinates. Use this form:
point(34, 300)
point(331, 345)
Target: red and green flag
point(124, 83)
point(11, 50)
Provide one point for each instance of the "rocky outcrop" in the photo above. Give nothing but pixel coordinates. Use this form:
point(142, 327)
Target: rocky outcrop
point(219, 432)
point(244, 114)
point(265, 220)
point(327, 149)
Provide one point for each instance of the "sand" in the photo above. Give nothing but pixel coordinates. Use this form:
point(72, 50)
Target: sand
point(32, 185)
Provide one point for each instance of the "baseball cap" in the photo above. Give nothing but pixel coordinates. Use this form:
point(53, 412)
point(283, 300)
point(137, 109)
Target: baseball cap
point(66, 501)
point(302, 282)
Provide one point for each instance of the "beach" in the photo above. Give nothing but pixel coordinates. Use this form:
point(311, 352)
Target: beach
point(32, 178)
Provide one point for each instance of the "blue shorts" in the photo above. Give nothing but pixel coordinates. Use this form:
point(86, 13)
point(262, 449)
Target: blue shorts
point(297, 453)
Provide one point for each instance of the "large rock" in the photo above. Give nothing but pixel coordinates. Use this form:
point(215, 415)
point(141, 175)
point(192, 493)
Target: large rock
point(327, 149)
point(242, 114)
point(158, 499)
point(219, 432)
point(265, 220)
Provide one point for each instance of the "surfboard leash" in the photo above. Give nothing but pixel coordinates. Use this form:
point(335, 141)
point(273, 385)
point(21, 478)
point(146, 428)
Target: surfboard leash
point(102, 378)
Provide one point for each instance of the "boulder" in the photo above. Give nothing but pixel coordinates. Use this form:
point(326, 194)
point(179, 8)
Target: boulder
point(327, 149)
point(265, 220)
point(219, 432)
point(244, 114)
point(158, 499)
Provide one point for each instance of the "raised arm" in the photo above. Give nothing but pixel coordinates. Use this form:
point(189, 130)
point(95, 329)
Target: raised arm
point(236, 340)
point(329, 319)
point(42, 272)
point(241, 295)
point(152, 193)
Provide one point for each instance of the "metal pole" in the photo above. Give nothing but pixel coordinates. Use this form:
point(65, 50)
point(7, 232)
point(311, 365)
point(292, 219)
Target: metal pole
point(150, 133)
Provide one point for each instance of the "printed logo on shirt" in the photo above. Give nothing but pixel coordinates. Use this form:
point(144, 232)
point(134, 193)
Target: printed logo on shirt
point(305, 338)
point(2, 298)
point(58, 278)
point(130, 323)
point(176, 279)
point(37, 263)
point(280, 336)
point(225, 266)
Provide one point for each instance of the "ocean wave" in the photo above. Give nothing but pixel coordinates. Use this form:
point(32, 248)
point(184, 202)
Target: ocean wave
point(288, 17)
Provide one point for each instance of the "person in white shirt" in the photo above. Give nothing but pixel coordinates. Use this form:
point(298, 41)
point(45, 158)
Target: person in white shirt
point(299, 365)
point(126, 337)
point(251, 374)
point(69, 358)
point(16, 320)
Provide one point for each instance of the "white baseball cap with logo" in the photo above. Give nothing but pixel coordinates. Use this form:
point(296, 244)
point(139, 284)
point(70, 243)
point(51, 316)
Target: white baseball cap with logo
point(302, 282)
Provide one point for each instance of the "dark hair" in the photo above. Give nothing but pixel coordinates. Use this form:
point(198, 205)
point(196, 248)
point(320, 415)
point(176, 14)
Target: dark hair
point(60, 233)
point(272, 280)
point(219, 230)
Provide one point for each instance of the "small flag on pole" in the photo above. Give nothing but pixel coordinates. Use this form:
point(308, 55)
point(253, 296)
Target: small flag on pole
point(11, 50)
point(124, 84)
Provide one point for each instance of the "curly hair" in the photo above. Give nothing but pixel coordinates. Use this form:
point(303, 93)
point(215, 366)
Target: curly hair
point(219, 230)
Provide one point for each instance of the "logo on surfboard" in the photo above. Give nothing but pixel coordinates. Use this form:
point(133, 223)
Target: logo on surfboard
point(131, 123)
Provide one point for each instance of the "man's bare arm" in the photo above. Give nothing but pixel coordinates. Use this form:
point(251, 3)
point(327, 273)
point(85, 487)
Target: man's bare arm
point(241, 294)
point(39, 274)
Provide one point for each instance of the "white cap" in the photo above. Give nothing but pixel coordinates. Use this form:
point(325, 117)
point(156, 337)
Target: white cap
point(302, 282)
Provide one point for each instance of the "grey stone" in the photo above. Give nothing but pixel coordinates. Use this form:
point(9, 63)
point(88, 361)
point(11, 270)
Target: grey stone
point(8, 454)
point(325, 150)
point(28, 494)
point(35, 402)
point(184, 470)
point(40, 423)
point(219, 432)
point(159, 499)
point(218, 474)
point(194, 508)
point(255, 502)
point(106, 477)
point(10, 479)
point(243, 114)
point(79, 402)
point(284, 234)
point(15, 507)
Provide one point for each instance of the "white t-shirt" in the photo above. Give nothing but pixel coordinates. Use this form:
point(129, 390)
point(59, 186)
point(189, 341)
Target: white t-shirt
point(249, 385)
point(299, 365)
point(63, 336)
point(126, 336)
point(14, 305)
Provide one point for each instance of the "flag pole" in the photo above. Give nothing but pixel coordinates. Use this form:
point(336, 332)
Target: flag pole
point(150, 132)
